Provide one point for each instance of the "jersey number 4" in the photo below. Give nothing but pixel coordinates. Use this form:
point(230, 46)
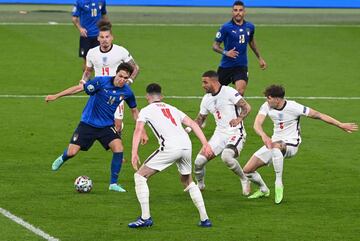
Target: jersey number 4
point(167, 114)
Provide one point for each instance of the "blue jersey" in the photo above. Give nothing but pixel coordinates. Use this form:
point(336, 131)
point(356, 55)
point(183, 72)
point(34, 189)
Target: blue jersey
point(104, 99)
point(237, 36)
point(89, 12)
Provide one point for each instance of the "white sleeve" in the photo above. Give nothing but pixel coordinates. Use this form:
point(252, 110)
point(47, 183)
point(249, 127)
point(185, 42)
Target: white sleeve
point(264, 109)
point(181, 114)
point(300, 109)
point(234, 95)
point(89, 58)
point(126, 55)
point(203, 109)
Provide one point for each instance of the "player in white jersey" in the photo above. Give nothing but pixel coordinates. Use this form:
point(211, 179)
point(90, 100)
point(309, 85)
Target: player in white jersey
point(229, 109)
point(285, 141)
point(175, 147)
point(105, 59)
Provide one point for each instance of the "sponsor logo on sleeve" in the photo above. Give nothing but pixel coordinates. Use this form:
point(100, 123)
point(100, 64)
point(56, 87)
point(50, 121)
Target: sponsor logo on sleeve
point(218, 35)
point(237, 94)
point(74, 9)
point(90, 88)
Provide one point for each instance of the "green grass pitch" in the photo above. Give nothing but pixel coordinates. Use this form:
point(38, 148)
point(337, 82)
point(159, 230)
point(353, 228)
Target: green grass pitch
point(322, 190)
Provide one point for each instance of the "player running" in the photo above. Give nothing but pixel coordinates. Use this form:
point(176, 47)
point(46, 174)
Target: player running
point(286, 139)
point(175, 147)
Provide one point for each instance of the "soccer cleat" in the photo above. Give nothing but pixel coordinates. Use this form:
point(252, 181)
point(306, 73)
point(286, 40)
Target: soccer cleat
point(245, 187)
point(57, 163)
point(201, 185)
point(116, 187)
point(139, 223)
point(206, 223)
point(259, 194)
point(279, 194)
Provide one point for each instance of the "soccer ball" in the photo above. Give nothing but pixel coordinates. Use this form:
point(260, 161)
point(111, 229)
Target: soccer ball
point(83, 184)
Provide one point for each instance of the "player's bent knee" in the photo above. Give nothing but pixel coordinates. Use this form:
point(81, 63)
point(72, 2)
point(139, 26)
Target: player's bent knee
point(228, 157)
point(200, 161)
point(139, 179)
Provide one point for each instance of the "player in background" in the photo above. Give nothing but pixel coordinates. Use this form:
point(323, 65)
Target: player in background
point(285, 141)
point(105, 58)
point(97, 119)
point(229, 110)
point(85, 15)
point(175, 147)
point(236, 35)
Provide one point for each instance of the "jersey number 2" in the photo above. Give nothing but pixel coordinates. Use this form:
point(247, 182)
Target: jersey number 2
point(167, 114)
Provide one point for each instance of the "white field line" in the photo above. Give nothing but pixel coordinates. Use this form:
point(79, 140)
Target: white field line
point(27, 225)
point(194, 25)
point(199, 97)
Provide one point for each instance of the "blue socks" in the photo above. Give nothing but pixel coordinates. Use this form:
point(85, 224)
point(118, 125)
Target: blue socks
point(65, 157)
point(116, 163)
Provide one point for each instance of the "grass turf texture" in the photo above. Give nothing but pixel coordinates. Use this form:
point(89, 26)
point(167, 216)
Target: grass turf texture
point(322, 200)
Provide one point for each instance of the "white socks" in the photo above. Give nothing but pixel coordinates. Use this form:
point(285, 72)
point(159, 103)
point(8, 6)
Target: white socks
point(197, 199)
point(256, 178)
point(142, 193)
point(278, 163)
point(228, 157)
point(200, 162)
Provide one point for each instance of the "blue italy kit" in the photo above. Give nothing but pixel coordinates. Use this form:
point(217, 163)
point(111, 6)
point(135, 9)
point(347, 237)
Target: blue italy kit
point(237, 36)
point(104, 99)
point(89, 12)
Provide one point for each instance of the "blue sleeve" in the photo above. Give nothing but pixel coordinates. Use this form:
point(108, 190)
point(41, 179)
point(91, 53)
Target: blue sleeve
point(131, 101)
point(103, 9)
point(252, 31)
point(93, 86)
point(220, 35)
point(76, 9)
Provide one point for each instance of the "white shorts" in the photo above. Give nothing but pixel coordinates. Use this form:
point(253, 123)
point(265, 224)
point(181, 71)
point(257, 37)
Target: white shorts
point(264, 154)
point(119, 113)
point(160, 160)
point(220, 140)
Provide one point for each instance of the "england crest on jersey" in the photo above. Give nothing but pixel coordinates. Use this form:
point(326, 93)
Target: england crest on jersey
point(104, 59)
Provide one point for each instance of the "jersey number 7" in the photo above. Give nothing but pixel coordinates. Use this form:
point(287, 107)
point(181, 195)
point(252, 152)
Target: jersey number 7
point(167, 114)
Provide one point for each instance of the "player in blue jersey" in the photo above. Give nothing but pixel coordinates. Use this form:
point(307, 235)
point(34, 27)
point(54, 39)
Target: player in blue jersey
point(236, 35)
point(85, 15)
point(97, 119)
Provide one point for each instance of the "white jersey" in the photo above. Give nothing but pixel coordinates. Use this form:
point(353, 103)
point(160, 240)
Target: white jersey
point(106, 63)
point(223, 107)
point(286, 121)
point(166, 123)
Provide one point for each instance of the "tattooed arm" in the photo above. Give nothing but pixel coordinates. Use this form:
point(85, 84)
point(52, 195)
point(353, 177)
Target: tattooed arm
point(245, 110)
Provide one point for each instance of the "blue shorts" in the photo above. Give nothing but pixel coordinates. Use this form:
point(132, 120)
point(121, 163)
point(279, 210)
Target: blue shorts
point(86, 44)
point(85, 136)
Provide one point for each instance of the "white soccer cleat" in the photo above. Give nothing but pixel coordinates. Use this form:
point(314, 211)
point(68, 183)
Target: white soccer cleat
point(201, 185)
point(246, 189)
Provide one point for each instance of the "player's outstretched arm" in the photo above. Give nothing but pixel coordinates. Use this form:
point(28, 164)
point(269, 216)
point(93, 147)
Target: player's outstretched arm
point(348, 127)
point(245, 110)
point(259, 120)
point(144, 136)
point(135, 144)
point(70, 91)
point(198, 132)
